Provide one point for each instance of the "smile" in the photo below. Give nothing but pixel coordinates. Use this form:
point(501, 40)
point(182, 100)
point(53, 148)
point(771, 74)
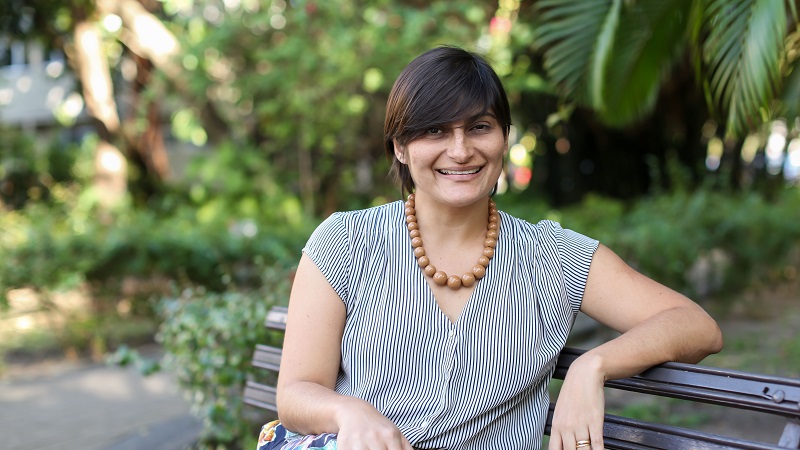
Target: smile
point(459, 172)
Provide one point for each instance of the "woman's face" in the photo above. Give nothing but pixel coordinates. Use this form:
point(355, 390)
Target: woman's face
point(456, 164)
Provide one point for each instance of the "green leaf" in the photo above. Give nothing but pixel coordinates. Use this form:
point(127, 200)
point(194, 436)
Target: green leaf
point(790, 97)
point(742, 54)
point(577, 38)
point(651, 36)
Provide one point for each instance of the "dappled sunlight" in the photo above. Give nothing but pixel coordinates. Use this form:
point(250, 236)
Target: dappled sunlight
point(153, 37)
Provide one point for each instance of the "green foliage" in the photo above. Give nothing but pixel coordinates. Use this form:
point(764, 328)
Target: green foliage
point(27, 171)
point(209, 339)
point(667, 411)
point(307, 81)
point(231, 217)
point(668, 236)
point(743, 52)
point(240, 183)
point(579, 35)
point(702, 243)
point(613, 56)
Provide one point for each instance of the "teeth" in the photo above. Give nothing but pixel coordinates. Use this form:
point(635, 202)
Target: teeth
point(459, 172)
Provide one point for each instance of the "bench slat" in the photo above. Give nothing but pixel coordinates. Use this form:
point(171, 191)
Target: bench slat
point(260, 395)
point(622, 433)
point(791, 435)
point(267, 357)
point(276, 318)
point(707, 385)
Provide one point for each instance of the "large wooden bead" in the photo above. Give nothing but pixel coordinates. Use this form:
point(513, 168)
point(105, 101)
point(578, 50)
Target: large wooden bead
point(423, 261)
point(492, 218)
point(419, 251)
point(479, 271)
point(492, 225)
point(483, 260)
point(468, 279)
point(416, 242)
point(489, 242)
point(492, 234)
point(430, 270)
point(410, 219)
point(412, 226)
point(413, 233)
point(454, 282)
point(488, 252)
point(410, 211)
point(440, 278)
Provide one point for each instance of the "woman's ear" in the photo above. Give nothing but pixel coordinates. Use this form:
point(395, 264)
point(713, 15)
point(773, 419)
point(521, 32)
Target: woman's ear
point(399, 151)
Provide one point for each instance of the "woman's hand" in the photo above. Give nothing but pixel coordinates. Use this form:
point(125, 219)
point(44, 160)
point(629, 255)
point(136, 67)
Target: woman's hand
point(580, 408)
point(362, 427)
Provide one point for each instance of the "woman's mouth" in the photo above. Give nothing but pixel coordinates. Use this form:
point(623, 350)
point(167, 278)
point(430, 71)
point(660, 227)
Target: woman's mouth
point(460, 172)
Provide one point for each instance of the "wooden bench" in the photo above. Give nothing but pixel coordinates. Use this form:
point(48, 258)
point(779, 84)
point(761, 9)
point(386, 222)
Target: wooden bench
point(731, 389)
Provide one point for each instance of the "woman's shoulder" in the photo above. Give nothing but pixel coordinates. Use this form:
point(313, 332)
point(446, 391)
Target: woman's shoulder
point(523, 229)
point(366, 223)
point(356, 228)
point(374, 214)
point(545, 230)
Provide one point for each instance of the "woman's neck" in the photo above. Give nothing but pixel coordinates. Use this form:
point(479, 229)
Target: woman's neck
point(448, 224)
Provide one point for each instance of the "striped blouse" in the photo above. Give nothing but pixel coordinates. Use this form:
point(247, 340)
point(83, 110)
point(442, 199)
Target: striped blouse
point(480, 382)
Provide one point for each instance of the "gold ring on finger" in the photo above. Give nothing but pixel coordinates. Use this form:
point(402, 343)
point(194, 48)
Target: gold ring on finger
point(581, 444)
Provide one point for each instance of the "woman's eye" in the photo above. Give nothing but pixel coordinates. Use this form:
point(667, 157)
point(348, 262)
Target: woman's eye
point(434, 130)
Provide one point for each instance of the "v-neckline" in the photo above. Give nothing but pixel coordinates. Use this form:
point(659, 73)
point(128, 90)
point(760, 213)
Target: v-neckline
point(432, 296)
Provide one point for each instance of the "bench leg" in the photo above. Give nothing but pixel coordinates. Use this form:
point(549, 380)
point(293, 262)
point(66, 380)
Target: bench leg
point(791, 435)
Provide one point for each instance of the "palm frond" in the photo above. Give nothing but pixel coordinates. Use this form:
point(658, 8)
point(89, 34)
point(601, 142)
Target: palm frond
point(742, 54)
point(793, 9)
point(576, 37)
point(651, 36)
point(789, 105)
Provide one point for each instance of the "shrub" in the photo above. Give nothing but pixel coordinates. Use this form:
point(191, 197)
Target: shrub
point(704, 242)
point(209, 339)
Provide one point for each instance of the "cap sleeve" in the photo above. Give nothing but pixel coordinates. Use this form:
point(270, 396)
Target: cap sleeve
point(576, 252)
point(329, 248)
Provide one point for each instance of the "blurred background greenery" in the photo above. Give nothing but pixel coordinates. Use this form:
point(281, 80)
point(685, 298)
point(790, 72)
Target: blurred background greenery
point(163, 161)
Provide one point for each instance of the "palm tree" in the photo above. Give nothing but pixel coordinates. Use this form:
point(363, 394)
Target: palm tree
point(614, 56)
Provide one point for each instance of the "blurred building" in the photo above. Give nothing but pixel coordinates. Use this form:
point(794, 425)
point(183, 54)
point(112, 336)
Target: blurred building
point(35, 86)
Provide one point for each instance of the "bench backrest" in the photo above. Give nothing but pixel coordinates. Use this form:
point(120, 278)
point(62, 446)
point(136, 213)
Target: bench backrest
point(735, 389)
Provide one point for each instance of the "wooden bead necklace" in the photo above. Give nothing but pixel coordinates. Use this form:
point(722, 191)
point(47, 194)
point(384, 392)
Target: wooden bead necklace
point(440, 277)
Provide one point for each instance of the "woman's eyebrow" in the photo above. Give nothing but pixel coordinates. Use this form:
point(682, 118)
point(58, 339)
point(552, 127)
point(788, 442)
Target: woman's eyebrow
point(481, 115)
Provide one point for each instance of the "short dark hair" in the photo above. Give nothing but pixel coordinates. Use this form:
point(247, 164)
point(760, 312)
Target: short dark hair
point(441, 86)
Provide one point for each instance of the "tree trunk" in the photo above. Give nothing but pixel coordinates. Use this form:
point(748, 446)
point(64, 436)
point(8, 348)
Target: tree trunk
point(147, 37)
point(111, 175)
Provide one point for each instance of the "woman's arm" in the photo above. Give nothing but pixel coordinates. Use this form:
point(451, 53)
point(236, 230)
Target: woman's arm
point(307, 402)
point(657, 325)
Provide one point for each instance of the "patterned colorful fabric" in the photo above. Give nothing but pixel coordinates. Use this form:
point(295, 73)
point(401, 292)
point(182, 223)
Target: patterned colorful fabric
point(275, 437)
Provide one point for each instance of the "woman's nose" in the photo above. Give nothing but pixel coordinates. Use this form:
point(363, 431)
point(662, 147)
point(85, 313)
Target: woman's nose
point(459, 149)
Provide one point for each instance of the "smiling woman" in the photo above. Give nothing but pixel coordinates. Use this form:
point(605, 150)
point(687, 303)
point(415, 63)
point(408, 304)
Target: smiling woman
point(462, 361)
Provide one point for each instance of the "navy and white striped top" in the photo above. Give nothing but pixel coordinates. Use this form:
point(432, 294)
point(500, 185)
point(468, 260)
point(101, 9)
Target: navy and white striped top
point(479, 382)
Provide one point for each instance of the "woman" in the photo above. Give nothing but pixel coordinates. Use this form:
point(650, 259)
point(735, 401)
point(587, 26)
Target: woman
point(384, 350)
